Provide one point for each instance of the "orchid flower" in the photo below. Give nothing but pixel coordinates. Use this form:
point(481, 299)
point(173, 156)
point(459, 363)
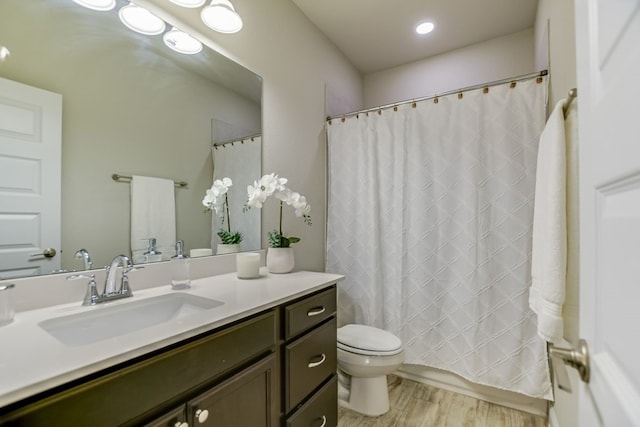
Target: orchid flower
point(273, 185)
point(216, 198)
point(263, 188)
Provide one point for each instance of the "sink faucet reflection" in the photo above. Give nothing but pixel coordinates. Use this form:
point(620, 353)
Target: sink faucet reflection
point(83, 254)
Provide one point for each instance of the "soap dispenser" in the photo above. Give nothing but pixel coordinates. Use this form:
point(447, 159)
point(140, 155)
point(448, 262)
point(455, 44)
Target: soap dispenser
point(152, 254)
point(180, 278)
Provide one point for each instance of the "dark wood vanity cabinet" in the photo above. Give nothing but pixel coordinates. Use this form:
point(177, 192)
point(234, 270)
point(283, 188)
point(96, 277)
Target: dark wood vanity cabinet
point(309, 361)
point(131, 394)
point(274, 368)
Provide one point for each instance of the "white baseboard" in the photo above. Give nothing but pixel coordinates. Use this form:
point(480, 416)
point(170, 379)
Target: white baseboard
point(452, 382)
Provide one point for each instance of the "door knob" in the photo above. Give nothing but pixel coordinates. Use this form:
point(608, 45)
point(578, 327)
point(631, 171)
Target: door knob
point(47, 253)
point(577, 358)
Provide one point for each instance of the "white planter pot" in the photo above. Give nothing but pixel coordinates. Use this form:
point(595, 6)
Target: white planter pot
point(227, 249)
point(280, 260)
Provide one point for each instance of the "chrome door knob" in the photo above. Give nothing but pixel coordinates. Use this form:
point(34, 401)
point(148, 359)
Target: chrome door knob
point(47, 253)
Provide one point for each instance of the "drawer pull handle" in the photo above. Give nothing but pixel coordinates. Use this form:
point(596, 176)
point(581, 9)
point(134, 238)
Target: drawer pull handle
point(324, 421)
point(180, 424)
point(316, 310)
point(319, 362)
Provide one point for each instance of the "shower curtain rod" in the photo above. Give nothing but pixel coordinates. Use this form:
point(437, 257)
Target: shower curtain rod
point(451, 92)
point(232, 141)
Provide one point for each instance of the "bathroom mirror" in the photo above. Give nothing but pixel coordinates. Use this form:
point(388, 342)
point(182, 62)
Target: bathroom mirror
point(130, 106)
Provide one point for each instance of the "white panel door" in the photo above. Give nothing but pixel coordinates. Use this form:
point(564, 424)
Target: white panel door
point(30, 162)
point(608, 60)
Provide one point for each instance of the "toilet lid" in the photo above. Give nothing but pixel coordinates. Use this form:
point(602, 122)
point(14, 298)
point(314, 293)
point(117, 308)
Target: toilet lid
point(368, 340)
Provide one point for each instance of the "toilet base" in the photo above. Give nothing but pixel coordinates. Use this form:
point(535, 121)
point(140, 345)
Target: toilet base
point(368, 396)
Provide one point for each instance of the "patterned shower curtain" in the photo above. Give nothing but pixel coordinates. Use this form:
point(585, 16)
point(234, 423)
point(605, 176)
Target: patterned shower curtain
point(429, 218)
point(242, 162)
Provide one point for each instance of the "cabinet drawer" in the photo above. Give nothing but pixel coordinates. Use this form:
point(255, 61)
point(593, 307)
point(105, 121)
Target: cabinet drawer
point(320, 410)
point(309, 312)
point(309, 361)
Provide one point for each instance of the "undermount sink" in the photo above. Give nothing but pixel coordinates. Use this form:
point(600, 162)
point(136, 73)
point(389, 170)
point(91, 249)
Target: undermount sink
point(108, 321)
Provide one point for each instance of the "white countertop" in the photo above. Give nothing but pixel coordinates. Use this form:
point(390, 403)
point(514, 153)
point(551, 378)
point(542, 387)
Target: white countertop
point(32, 361)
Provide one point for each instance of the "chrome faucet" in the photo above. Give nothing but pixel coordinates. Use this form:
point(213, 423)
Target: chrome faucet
point(84, 255)
point(112, 271)
point(93, 297)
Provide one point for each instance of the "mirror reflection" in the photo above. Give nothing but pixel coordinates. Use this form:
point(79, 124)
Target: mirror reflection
point(129, 106)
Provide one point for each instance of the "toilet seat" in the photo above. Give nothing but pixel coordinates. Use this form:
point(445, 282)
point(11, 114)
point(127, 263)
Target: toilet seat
point(367, 340)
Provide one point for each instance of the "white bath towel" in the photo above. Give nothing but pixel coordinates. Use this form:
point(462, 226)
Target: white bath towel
point(549, 248)
point(153, 214)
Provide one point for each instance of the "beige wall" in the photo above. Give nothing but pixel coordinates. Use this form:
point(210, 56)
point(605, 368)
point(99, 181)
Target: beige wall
point(555, 46)
point(495, 59)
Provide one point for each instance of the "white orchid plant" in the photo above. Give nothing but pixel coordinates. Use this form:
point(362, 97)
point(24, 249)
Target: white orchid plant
point(217, 199)
point(273, 185)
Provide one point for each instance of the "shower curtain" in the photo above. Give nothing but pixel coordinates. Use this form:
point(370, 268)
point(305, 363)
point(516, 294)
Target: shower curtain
point(242, 162)
point(429, 218)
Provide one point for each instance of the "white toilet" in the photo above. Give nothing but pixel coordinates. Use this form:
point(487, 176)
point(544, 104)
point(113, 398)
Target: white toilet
point(365, 356)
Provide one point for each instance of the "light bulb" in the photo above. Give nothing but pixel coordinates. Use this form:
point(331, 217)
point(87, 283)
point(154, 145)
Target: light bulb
point(141, 20)
point(188, 3)
point(222, 17)
point(101, 5)
point(181, 42)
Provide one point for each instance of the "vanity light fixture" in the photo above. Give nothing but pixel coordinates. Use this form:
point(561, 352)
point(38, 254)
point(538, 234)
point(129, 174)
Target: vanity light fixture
point(101, 5)
point(425, 28)
point(188, 3)
point(181, 42)
point(221, 16)
point(141, 20)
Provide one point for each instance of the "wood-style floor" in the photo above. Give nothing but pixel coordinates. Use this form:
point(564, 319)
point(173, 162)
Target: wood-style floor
point(419, 405)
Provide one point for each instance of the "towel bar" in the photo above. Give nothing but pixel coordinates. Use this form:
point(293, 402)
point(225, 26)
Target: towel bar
point(126, 178)
point(573, 94)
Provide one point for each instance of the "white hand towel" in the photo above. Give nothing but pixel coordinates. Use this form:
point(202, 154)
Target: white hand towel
point(549, 248)
point(153, 214)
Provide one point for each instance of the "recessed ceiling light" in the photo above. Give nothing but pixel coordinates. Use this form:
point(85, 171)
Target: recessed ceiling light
point(188, 3)
point(101, 5)
point(425, 28)
point(181, 42)
point(141, 20)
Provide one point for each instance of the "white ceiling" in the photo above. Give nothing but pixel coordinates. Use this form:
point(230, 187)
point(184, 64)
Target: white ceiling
point(379, 34)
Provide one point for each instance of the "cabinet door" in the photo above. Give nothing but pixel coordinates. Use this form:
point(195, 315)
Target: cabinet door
point(249, 398)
